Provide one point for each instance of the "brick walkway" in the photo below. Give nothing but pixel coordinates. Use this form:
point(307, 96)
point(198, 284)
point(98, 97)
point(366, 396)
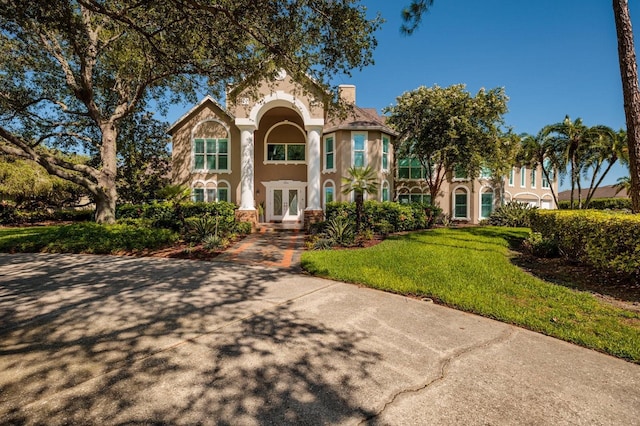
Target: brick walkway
point(270, 246)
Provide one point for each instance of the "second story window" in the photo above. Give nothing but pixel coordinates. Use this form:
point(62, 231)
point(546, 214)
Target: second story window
point(410, 168)
point(211, 154)
point(359, 149)
point(459, 173)
point(523, 177)
point(533, 178)
point(329, 153)
point(385, 153)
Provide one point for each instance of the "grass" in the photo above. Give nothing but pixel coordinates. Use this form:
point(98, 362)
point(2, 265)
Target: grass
point(85, 237)
point(470, 269)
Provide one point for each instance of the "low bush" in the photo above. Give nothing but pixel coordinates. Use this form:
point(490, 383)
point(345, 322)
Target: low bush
point(10, 215)
point(540, 246)
point(601, 204)
point(604, 240)
point(512, 214)
point(167, 215)
point(386, 217)
point(88, 237)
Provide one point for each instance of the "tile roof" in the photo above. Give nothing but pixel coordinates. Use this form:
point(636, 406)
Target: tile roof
point(608, 191)
point(359, 119)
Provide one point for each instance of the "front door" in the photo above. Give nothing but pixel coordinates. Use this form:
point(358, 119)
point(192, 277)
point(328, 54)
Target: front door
point(285, 202)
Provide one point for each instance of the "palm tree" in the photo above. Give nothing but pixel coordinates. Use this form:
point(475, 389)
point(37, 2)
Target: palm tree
point(540, 150)
point(623, 183)
point(360, 181)
point(629, 75)
point(607, 147)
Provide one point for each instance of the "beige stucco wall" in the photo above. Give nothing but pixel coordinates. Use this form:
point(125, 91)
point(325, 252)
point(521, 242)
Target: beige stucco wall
point(242, 101)
point(475, 188)
point(196, 122)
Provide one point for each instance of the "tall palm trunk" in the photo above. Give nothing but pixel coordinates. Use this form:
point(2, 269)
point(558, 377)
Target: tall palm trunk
point(629, 75)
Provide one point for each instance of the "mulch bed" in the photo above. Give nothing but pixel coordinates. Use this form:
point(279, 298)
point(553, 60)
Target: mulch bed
point(622, 291)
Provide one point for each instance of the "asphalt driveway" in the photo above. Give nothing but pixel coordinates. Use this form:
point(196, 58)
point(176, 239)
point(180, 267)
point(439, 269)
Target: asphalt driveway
point(121, 340)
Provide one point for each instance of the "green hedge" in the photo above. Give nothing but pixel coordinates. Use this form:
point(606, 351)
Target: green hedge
point(601, 204)
point(387, 216)
point(607, 241)
point(164, 214)
point(9, 215)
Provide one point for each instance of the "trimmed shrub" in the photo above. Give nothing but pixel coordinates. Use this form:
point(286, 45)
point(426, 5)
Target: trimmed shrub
point(513, 214)
point(386, 217)
point(604, 240)
point(165, 215)
point(602, 204)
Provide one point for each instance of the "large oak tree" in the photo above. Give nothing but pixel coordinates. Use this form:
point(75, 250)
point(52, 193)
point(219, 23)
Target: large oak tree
point(72, 70)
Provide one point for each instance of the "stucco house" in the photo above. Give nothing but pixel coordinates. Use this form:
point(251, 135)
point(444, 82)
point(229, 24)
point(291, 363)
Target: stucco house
point(275, 145)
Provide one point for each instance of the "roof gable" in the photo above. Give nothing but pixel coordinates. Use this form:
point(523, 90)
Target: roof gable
point(207, 99)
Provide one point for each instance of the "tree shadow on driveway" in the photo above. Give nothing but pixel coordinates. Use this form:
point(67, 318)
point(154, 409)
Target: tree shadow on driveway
point(91, 339)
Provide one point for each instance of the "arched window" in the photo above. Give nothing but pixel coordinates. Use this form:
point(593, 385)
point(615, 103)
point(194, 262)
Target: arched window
point(460, 203)
point(328, 193)
point(197, 192)
point(223, 191)
point(285, 144)
point(384, 192)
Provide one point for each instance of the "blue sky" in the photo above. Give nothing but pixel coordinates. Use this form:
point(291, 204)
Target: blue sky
point(553, 57)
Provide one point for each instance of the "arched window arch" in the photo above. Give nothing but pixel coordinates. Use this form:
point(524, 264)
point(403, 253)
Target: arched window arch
point(460, 203)
point(284, 143)
point(198, 191)
point(223, 191)
point(328, 193)
point(385, 194)
point(210, 140)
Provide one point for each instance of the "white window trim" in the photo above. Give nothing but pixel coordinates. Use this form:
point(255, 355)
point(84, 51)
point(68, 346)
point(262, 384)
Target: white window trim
point(366, 144)
point(210, 184)
point(383, 185)
point(327, 183)
point(193, 147)
point(453, 203)
point(523, 177)
point(526, 194)
point(324, 154)
point(512, 177)
point(286, 162)
point(456, 179)
point(382, 154)
point(228, 190)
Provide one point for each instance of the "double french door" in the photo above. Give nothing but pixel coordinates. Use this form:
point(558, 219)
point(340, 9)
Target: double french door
point(285, 203)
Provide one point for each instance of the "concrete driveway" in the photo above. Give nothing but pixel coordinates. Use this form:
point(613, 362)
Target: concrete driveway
point(118, 340)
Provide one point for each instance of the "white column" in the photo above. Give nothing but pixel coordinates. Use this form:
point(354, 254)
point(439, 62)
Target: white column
point(246, 167)
point(313, 167)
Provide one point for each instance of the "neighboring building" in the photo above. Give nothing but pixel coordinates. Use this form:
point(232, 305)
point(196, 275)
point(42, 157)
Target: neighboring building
point(279, 149)
point(608, 191)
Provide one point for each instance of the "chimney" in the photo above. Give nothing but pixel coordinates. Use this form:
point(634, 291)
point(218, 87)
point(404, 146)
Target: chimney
point(347, 93)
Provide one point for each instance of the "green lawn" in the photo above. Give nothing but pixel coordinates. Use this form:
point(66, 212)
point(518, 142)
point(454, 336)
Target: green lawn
point(470, 269)
point(85, 237)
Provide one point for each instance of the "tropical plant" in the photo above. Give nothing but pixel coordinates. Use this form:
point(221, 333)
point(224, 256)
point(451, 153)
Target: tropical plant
point(199, 228)
point(340, 231)
point(360, 181)
point(539, 150)
point(512, 214)
point(623, 184)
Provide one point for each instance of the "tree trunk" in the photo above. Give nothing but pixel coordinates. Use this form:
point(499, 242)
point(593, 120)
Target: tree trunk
point(629, 75)
point(107, 196)
point(359, 210)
